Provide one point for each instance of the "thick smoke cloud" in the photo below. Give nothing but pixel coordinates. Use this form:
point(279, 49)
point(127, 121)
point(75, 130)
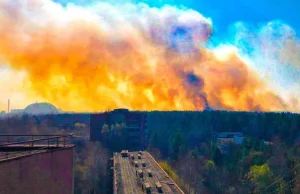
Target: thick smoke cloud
point(106, 56)
point(275, 52)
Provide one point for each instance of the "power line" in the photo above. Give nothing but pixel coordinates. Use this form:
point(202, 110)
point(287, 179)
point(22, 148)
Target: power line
point(286, 184)
point(280, 177)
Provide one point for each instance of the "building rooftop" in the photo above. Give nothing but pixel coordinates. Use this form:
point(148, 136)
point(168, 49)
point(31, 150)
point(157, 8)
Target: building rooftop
point(129, 178)
point(229, 134)
point(121, 110)
point(15, 146)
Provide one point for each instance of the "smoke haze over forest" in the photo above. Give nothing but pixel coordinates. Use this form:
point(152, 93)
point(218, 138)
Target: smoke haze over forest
point(105, 55)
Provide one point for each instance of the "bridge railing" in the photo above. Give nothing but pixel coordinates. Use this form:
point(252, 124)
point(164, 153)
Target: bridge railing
point(31, 143)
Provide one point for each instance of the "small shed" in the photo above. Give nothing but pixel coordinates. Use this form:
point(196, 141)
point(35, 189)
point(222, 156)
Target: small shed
point(143, 163)
point(139, 156)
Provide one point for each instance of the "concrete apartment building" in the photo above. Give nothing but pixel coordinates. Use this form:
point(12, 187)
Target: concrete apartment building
point(135, 127)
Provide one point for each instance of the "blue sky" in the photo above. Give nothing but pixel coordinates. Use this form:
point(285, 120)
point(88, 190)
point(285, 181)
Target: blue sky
point(225, 13)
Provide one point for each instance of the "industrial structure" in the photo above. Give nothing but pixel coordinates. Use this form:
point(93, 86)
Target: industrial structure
point(133, 129)
point(33, 109)
point(138, 173)
point(40, 164)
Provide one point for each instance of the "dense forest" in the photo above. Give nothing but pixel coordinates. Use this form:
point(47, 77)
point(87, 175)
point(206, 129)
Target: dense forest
point(268, 160)
point(186, 141)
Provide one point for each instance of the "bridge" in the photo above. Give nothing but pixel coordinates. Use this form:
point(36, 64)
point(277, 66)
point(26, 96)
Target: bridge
point(138, 173)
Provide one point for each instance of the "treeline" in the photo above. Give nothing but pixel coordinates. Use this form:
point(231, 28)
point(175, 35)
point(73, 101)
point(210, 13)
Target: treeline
point(65, 120)
point(186, 140)
point(114, 137)
point(23, 123)
point(92, 169)
point(193, 128)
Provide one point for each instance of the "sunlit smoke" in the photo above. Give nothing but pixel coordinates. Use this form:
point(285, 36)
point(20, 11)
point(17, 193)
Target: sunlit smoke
point(106, 56)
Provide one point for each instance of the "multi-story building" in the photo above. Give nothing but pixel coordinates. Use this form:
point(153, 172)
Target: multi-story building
point(131, 127)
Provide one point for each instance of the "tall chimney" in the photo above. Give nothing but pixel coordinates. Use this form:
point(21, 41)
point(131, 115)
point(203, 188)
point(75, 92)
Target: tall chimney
point(8, 105)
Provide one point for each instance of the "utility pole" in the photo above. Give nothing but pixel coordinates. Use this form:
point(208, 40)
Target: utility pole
point(8, 104)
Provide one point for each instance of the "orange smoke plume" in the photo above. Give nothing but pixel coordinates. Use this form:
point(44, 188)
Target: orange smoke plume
point(103, 57)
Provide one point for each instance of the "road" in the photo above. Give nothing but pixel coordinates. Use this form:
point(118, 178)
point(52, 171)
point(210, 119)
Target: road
point(128, 182)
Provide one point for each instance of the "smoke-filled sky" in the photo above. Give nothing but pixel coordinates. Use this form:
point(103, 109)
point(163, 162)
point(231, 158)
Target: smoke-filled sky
point(167, 55)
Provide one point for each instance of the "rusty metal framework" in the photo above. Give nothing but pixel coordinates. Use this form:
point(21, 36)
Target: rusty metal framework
point(20, 145)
